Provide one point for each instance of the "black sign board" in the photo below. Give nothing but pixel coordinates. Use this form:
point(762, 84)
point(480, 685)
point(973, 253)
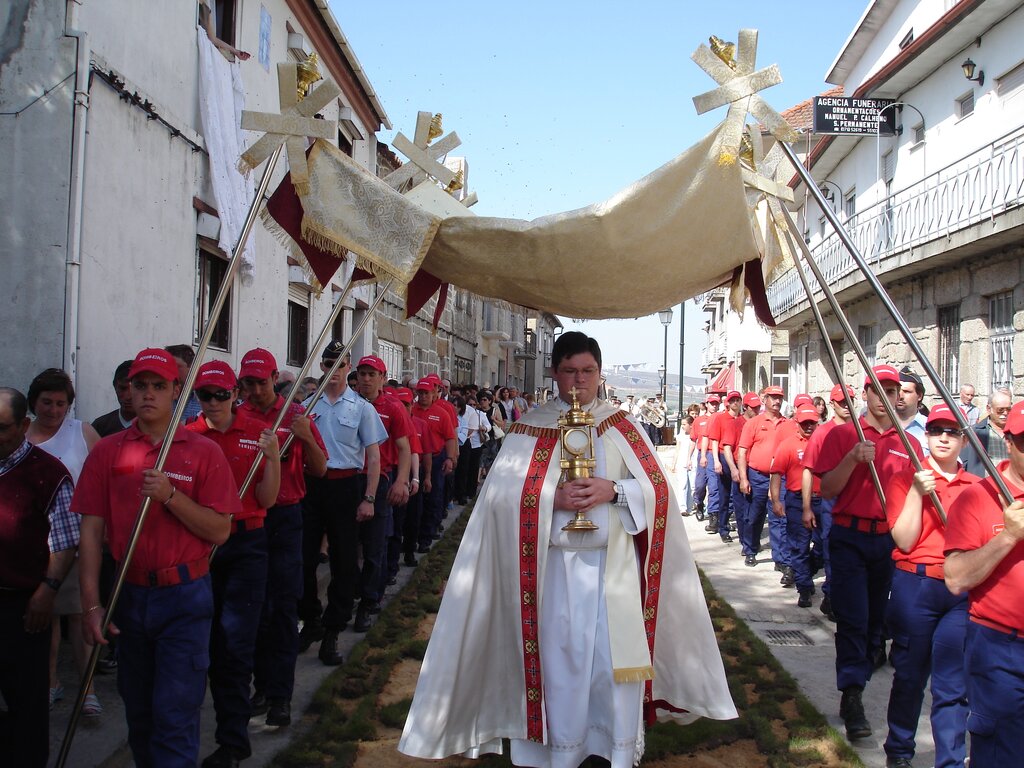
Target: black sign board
point(848, 116)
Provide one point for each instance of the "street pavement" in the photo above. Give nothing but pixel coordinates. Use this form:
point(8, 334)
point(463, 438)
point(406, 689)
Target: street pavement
point(800, 638)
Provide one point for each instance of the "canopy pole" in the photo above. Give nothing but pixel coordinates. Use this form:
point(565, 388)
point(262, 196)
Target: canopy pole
point(901, 324)
point(165, 447)
point(838, 368)
point(890, 410)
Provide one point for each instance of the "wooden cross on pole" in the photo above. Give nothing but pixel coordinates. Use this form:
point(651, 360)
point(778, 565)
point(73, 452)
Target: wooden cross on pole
point(739, 85)
point(291, 127)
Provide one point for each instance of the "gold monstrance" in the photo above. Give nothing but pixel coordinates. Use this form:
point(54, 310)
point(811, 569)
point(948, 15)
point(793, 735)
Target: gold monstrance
point(577, 440)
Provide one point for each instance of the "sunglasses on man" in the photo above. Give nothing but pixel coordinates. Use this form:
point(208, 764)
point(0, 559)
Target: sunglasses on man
point(936, 431)
point(220, 395)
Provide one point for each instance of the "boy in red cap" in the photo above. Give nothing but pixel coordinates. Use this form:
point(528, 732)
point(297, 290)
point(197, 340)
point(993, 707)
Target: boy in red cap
point(445, 448)
point(787, 464)
point(985, 558)
point(860, 545)
point(928, 624)
point(164, 616)
point(702, 480)
point(406, 517)
point(239, 568)
point(277, 642)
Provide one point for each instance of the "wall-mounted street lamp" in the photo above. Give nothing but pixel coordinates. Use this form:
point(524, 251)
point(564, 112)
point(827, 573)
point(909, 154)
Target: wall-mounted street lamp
point(968, 67)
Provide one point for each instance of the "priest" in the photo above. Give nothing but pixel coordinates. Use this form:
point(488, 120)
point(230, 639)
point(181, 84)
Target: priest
point(568, 642)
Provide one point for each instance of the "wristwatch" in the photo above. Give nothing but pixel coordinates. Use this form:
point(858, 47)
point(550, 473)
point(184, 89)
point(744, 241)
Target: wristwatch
point(620, 495)
point(369, 498)
point(53, 584)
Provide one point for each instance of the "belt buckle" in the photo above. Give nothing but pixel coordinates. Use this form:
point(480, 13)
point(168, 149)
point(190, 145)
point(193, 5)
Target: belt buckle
point(151, 577)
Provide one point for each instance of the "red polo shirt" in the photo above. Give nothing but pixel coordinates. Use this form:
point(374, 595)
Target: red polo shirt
point(974, 519)
point(813, 448)
point(785, 429)
point(439, 426)
point(293, 481)
point(731, 432)
point(110, 483)
point(758, 437)
point(858, 497)
point(931, 545)
point(788, 461)
point(241, 444)
point(719, 426)
point(397, 423)
point(419, 426)
point(699, 428)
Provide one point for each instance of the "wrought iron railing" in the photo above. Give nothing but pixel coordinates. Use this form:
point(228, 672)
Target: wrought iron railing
point(978, 187)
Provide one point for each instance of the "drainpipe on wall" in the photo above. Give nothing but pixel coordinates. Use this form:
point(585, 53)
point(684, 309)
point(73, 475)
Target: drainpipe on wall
point(72, 276)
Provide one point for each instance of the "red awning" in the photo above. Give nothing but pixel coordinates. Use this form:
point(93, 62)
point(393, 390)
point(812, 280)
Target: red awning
point(723, 382)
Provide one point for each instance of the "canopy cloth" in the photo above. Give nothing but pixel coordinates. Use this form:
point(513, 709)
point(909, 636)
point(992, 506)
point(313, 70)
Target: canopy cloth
point(681, 230)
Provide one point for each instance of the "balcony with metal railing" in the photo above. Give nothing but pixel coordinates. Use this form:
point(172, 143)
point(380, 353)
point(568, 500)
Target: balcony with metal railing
point(980, 187)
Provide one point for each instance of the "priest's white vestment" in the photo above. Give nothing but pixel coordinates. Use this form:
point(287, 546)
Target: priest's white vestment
point(545, 637)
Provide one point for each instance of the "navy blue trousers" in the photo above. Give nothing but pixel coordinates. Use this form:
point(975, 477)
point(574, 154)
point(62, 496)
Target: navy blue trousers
point(799, 539)
point(929, 635)
point(995, 690)
point(433, 503)
point(741, 511)
point(757, 510)
point(163, 653)
point(239, 574)
point(277, 641)
point(700, 482)
point(373, 535)
point(862, 575)
point(723, 505)
point(819, 539)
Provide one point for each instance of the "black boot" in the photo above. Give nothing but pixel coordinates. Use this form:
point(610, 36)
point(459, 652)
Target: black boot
point(851, 709)
point(712, 526)
point(788, 578)
point(330, 655)
point(363, 621)
point(312, 632)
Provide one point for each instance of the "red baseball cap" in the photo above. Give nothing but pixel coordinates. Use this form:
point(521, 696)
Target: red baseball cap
point(434, 379)
point(751, 400)
point(837, 395)
point(733, 394)
point(806, 413)
point(152, 360)
point(257, 364)
point(405, 394)
point(215, 374)
point(803, 399)
point(424, 384)
point(884, 373)
point(941, 412)
point(1015, 421)
point(774, 391)
point(713, 399)
point(373, 362)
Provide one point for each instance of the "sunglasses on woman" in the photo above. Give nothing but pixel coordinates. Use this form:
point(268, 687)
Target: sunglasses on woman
point(220, 395)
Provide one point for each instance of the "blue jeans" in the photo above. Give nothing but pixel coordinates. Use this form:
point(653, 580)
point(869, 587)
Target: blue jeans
point(995, 690)
point(239, 573)
point(163, 653)
point(862, 567)
point(277, 642)
point(929, 636)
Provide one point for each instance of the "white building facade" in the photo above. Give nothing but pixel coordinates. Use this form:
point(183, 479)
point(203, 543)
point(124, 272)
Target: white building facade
point(936, 209)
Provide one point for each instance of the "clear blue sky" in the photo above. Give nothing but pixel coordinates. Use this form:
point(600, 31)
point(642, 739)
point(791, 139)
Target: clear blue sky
point(561, 104)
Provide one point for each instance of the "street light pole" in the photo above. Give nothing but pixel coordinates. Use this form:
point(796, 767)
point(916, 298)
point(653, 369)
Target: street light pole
point(665, 316)
point(682, 348)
